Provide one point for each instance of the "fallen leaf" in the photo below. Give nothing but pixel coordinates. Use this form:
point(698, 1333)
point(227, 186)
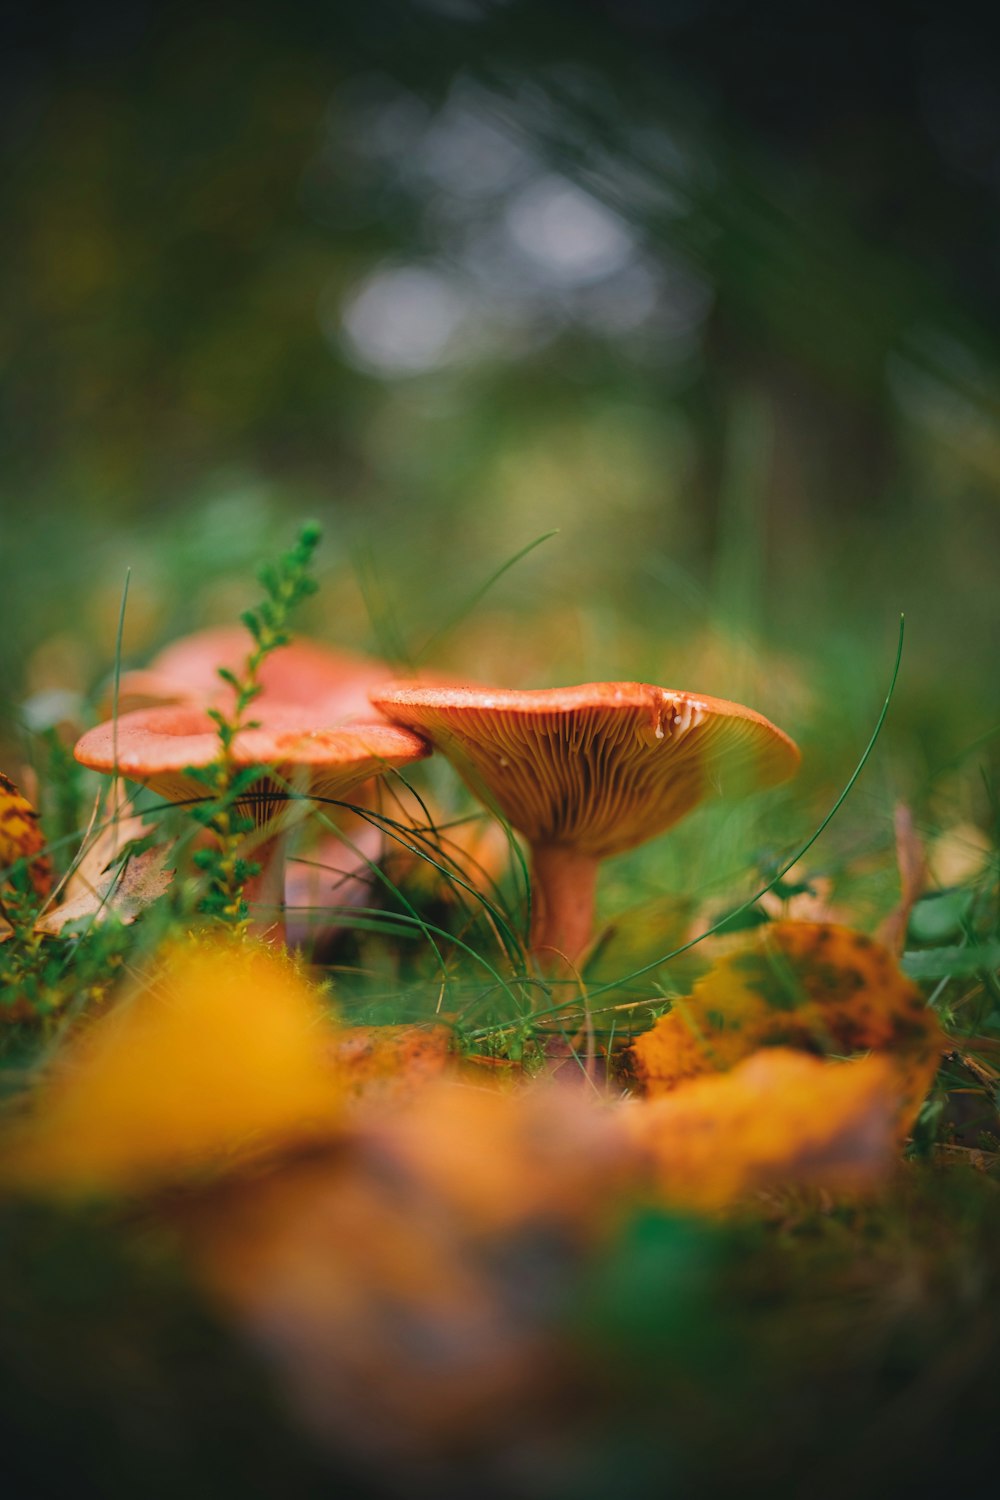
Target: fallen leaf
point(813, 986)
point(392, 1339)
point(498, 1158)
point(218, 1051)
point(21, 838)
point(124, 893)
point(409, 1285)
point(112, 828)
point(778, 1116)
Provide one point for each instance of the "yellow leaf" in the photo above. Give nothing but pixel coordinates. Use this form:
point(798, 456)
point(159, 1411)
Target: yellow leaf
point(219, 1052)
point(778, 1116)
point(814, 986)
point(21, 838)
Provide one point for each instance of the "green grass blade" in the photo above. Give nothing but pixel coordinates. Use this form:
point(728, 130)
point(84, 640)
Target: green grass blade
point(470, 603)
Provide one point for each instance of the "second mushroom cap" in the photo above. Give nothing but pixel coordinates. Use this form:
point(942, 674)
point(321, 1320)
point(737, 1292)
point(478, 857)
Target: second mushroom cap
point(157, 746)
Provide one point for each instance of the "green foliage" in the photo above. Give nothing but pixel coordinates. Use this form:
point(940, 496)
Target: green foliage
point(41, 975)
point(286, 584)
point(26, 979)
point(955, 962)
point(939, 916)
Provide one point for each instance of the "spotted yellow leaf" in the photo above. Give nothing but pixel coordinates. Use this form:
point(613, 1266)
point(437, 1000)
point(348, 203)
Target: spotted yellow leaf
point(812, 986)
point(21, 840)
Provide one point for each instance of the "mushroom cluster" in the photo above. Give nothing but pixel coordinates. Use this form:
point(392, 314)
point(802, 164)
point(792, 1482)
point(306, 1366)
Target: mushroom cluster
point(294, 750)
point(317, 737)
point(582, 773)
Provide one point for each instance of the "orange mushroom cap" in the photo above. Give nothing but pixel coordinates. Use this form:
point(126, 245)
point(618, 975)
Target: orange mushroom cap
point(305, 672)
point(601, 767)
point(299, 748)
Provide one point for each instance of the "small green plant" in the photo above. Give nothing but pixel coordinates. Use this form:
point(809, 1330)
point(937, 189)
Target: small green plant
point(286, 583)
point(23, 977)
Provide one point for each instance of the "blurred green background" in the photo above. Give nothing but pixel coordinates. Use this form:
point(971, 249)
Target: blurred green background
point(709, 287)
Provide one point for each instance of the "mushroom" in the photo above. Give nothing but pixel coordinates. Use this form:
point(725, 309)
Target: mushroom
point(304, 672)
point(160, 746)
point(586, 772)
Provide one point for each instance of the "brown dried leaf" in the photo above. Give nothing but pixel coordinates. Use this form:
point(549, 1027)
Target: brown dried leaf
point(101, 849)
point(124, 893)
point(390, 1339)
point(105, 879)
point(499, 1157)
point(386, 1275)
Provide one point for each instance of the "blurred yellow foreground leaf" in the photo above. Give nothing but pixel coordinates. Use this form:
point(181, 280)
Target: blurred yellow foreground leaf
point(221, 1050)
point(402, 1281)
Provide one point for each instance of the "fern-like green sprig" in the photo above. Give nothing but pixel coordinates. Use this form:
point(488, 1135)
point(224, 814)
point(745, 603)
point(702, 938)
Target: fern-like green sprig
point(286, 584)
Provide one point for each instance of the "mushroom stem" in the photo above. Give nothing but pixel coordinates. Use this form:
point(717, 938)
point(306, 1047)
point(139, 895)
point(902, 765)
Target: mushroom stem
point(563, 891)
point(264, 893)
